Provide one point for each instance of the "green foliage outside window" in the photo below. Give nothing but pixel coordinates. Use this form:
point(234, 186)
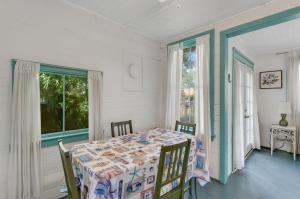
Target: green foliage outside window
point(64, 102)
point(76, 103)
point(187, 104)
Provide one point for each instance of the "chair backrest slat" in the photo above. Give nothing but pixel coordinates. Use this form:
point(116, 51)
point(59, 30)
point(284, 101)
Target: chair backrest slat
point(172, 166)
point(119, 131)
point(178, 166)
point(176, 163)
point(68, 171)
point(184, 127)
point(121, 128)
point(125, 130)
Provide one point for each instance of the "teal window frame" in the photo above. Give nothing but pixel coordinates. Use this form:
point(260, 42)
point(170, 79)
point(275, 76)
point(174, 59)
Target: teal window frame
point(67, 136)
point(190, 41)
point(281, 17)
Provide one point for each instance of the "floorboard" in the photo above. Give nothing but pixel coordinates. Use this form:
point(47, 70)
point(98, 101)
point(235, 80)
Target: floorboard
point(264, 177)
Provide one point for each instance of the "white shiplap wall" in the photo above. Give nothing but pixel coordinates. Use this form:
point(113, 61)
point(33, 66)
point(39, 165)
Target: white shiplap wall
point(57, 33)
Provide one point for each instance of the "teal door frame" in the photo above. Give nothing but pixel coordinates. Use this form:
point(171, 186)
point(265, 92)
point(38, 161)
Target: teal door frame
point(268, 21)
point(238, 55)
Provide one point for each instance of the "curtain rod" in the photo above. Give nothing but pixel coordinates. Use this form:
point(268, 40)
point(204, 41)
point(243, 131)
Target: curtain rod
point(286, 51)
point(193, 36)
point(53, 65)
point(281, 53)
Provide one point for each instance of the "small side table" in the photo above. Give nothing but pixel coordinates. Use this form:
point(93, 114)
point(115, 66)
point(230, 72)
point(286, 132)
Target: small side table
point(287, 133)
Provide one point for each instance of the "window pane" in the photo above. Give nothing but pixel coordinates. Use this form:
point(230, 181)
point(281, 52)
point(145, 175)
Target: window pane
point(187, 104)
point(51, 86)
point(76, 100)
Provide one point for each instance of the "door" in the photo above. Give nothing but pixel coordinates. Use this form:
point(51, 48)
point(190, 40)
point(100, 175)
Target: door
point(242, 138)
point(247, 89)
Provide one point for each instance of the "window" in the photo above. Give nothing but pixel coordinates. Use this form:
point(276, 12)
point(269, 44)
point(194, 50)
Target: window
point(64, 102)
point(188, 78)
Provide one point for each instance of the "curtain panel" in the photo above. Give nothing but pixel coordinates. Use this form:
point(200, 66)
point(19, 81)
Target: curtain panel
point(238, 118)
point(95, 87)
point(256, 131)
point(293, 90)
point(202, 97)
point(175, 56)
point(24, 175)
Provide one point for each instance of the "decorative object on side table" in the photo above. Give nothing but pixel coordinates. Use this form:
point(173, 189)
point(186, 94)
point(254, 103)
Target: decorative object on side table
point(284, 109)
point(270, 79)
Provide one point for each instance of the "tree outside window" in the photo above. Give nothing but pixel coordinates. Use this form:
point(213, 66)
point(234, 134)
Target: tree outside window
point(187, 100)
point(64, 102)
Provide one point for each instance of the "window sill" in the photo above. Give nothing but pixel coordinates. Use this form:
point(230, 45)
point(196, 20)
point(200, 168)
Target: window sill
point(67, 137)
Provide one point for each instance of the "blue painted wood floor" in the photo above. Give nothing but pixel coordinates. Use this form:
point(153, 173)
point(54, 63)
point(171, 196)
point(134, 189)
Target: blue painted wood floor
point(264, 177)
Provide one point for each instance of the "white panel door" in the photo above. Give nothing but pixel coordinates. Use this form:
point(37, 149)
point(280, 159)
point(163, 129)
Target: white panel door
point(247, 88)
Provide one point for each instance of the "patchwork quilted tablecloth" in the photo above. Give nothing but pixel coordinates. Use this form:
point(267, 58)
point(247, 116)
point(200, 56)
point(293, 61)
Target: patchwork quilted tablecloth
point(126, 167)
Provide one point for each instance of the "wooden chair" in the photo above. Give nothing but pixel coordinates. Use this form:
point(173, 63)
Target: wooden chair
point(188, 128)
point(73, 190)
point(184, 127)
point(172, 166)
point(123, 127)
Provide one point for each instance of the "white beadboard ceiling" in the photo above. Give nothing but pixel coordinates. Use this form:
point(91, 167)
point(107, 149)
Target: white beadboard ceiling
point(279, 38)
point(162, 21)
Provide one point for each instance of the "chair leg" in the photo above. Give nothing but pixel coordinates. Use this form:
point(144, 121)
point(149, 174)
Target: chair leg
point(190, 186)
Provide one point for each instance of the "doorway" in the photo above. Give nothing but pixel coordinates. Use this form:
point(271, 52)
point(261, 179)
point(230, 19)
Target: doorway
point(275, 19)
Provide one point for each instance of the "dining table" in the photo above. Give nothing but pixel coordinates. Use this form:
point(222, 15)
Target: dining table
point(126, 166)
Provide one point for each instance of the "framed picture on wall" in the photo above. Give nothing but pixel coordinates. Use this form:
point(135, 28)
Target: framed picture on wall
point(270, 79)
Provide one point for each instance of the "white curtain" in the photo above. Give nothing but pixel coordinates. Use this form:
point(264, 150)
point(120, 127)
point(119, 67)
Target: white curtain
point(24, 175)
point(202, 98)
point(238, 118)
point(175, 56)
point(95, 83)
point(293, 90)
point(256, 132)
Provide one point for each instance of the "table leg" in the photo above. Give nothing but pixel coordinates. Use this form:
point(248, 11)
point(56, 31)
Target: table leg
point(295, 147)
point(272, 142)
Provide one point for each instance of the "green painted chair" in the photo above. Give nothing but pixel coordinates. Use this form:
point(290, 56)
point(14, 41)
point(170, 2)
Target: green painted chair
point(172, 167)
point(184, 127)
point(73, 190)
point(188, 128)
point(122, 127)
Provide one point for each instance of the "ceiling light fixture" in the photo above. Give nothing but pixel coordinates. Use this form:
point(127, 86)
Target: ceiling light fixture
point(178, 5)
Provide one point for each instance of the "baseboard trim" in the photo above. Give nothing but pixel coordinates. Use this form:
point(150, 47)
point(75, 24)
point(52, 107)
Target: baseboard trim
point(249, 153)
point(268, 148)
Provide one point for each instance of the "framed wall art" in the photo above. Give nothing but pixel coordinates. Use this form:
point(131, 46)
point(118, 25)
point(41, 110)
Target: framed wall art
point(270, 79)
